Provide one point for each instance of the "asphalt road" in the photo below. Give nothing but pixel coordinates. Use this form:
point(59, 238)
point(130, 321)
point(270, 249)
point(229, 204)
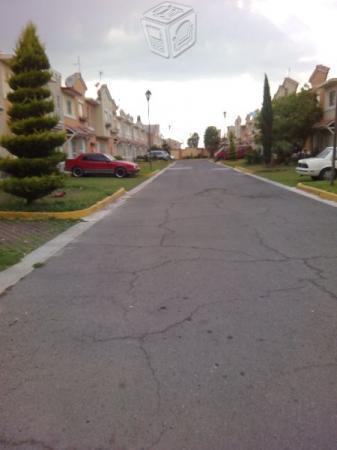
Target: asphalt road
point(199, 315)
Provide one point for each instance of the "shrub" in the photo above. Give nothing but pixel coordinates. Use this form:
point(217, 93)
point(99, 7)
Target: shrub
point(253, 156)
point(283, 152)
point(34, 143)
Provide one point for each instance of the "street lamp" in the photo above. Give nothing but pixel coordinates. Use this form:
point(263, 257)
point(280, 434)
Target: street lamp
point(148, 96)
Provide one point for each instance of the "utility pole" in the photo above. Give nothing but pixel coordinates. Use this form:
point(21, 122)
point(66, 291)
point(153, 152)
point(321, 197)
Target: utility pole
point(148, 96)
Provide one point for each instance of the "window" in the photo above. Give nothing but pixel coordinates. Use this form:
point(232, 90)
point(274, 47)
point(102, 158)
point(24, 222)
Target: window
point(95, 157)
point(102, 147)
point(80, 109)
point(332, 98)
point(69, 107)
point(58, 103)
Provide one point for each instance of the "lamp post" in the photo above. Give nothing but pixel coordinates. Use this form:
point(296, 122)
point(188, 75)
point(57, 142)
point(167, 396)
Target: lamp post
point(148, 96)
point(333, 162)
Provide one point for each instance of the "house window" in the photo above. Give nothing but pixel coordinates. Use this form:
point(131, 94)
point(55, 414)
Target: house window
point(69, 107)
point(332, 98)
point(81, 145)
point(102, 147)
point(80, 109)
point(58, 103)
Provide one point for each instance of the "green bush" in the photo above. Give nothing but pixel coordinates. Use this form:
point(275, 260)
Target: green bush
point(31, 167)
point(253, 156)
point(32, 188)
point(283, 151)
point(119, 157)
point(35, 145)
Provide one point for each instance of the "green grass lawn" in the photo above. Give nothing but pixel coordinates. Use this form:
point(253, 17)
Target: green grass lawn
point(80, 192)
point(20, 237)
point(281, 174)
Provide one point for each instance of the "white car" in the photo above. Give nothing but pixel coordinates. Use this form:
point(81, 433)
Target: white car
point(319, 168)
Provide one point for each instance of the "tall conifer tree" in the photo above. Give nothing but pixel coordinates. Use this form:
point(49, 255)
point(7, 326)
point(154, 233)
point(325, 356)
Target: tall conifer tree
point(33, 173)
point(266, 122)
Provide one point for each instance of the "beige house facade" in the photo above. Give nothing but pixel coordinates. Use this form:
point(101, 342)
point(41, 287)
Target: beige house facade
point(288, 87)
point(91, 125)
point(80, 135)
point(4, 104)
point(244, 133)
point(104, 120)
point(326, 92)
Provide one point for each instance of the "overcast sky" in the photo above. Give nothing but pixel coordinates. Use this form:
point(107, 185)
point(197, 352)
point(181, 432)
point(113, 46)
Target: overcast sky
point(238, 41)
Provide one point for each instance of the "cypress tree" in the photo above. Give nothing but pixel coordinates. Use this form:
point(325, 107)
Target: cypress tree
point(266, 122)
point(33, 173)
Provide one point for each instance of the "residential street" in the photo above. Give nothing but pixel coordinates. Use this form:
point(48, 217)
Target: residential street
point(200, 315)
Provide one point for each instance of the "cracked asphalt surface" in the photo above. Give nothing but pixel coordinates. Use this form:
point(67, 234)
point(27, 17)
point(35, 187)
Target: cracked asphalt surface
point(200, 315)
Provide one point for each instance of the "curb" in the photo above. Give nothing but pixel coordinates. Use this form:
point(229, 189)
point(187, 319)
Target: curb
point(78, 214)
point(320, 192)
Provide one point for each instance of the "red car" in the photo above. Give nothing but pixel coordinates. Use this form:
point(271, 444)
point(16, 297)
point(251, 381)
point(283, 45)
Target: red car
point(99, 163)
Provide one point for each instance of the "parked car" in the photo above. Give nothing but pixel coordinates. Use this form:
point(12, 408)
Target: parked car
point(319, 168)
point(160, 154)
point(223, 152)
point(99, 163)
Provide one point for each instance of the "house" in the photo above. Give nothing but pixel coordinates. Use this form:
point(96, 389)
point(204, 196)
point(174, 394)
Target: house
point(325, 90)
point(102, 116)
point(288, 87)
point(81, 136)
point(141, 136)
point(125, 137)
point(4, 89)
point(54, 85)
point(244, 133)
point(155, 136)
point(173, 144)
point(133, 138)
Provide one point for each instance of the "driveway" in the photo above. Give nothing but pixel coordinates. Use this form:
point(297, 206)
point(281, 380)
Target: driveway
point(200, 315)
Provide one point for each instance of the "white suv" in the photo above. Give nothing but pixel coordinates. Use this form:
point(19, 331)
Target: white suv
point(319, 168)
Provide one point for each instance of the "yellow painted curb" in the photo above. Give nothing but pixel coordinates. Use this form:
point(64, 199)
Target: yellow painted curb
point(78, 214)
point(320, 192)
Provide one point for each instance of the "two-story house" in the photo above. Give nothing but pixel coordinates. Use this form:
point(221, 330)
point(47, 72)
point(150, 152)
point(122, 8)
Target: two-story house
point(126, 145)
point(288, 87)
point(80, 135)
point(104, 120)
point(326, 91)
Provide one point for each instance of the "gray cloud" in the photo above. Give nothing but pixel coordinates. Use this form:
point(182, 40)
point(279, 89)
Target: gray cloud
point(107, 35)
